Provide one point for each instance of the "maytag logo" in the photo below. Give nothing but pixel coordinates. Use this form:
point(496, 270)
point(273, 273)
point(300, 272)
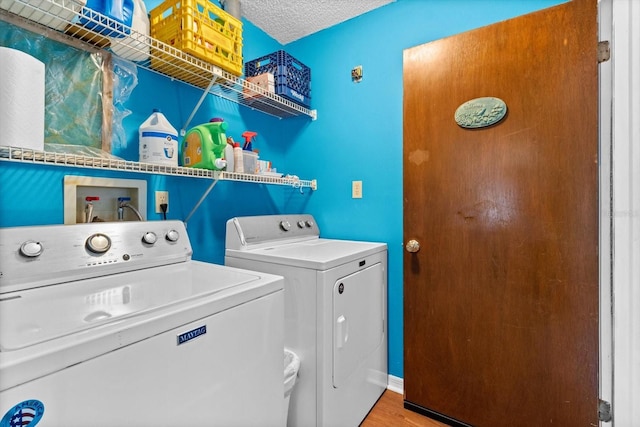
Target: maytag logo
point(195, 333)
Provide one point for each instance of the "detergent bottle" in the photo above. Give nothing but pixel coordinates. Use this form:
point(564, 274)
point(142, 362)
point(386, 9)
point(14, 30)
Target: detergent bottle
point(158, 140)
point(203, 145)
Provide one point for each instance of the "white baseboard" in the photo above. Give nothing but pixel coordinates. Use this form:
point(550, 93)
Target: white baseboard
point(395, 384)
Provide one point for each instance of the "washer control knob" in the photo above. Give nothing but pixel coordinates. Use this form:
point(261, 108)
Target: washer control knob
point(301, 224)
point(285, 225)
point(98, 243)
point(309, 223)
point(172, 236)
point(31, 249)
point(149, 238)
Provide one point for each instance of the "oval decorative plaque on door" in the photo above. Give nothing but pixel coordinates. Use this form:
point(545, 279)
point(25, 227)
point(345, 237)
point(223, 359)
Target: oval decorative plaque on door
point(480, 112)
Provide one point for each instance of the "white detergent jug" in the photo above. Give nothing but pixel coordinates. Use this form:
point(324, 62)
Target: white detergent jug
point(158, 140)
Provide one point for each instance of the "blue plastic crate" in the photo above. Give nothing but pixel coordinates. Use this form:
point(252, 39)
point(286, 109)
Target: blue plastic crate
point(291, 77)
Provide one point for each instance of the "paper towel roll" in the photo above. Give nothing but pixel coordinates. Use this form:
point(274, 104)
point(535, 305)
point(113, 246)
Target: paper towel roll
point(21, 100)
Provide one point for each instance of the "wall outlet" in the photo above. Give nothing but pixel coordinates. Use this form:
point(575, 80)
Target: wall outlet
point(356, 189)
point(162, 197)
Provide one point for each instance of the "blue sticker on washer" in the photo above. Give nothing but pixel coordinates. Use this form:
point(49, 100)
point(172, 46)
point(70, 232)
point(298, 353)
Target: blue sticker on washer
point(25, 414)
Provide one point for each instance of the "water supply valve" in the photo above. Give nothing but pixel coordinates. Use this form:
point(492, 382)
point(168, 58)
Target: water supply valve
point(88, 209)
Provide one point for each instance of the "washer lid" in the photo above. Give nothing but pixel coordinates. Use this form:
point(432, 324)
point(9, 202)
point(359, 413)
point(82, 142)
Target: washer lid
point(318, 254)
point(118, 301)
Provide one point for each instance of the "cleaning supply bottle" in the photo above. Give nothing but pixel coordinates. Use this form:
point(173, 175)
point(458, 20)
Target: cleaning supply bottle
point(248, 138)
point(158, 140)
point(250, 157)
point(228, 154)
point(238, 162)
point(203, 145)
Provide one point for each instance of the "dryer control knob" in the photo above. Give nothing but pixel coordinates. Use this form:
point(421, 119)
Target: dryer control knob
point(98, 243)
point(172, 236)
point(309, 223)
point(31, 249)
point(285, 225)
point(301, 224)
point(149, 238)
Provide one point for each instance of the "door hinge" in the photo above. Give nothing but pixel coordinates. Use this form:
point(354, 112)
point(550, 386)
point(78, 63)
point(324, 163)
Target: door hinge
point(604, 411)
point(604, 51)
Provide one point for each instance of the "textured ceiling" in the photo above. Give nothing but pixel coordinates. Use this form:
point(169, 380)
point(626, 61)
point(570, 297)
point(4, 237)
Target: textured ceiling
point(290, 20)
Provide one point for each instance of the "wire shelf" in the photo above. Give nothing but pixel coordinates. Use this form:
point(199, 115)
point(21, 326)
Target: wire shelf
point(105, 33)
point(291, 180)
point(62, 16)
point(25, 155)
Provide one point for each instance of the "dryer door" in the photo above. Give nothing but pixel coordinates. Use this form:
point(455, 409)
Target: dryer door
point(358, 320)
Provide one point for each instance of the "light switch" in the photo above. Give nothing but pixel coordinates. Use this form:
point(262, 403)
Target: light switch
point(356, 189)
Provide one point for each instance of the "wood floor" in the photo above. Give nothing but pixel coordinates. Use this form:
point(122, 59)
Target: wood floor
point(390, 412)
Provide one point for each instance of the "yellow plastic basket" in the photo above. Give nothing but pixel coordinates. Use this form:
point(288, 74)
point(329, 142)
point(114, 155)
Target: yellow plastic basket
point(199, 28)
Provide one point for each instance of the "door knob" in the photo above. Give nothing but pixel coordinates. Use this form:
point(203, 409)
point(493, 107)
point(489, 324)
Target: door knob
point(412, 246)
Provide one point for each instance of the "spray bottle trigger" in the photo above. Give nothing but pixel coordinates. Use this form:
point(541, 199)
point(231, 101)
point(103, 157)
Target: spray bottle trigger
point(248, 138)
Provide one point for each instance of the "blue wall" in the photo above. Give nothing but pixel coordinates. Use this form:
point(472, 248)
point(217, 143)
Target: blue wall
point(357, 136)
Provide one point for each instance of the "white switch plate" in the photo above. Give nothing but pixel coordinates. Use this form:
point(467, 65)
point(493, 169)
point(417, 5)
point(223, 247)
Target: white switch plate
point(356, 189)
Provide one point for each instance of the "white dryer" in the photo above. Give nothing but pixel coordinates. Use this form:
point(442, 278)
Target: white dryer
point(335, 312)
point(113, 324)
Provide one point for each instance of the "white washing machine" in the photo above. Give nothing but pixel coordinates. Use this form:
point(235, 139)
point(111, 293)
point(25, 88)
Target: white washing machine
point(113, 324)
point(335, 312)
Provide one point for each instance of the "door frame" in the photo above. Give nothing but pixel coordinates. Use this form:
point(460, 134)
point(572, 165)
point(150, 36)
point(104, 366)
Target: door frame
point(615, 278)
point(620, 194)
point(605, 194)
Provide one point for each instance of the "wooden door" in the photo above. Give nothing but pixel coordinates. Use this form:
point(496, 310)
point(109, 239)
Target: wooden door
point(501, 300)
